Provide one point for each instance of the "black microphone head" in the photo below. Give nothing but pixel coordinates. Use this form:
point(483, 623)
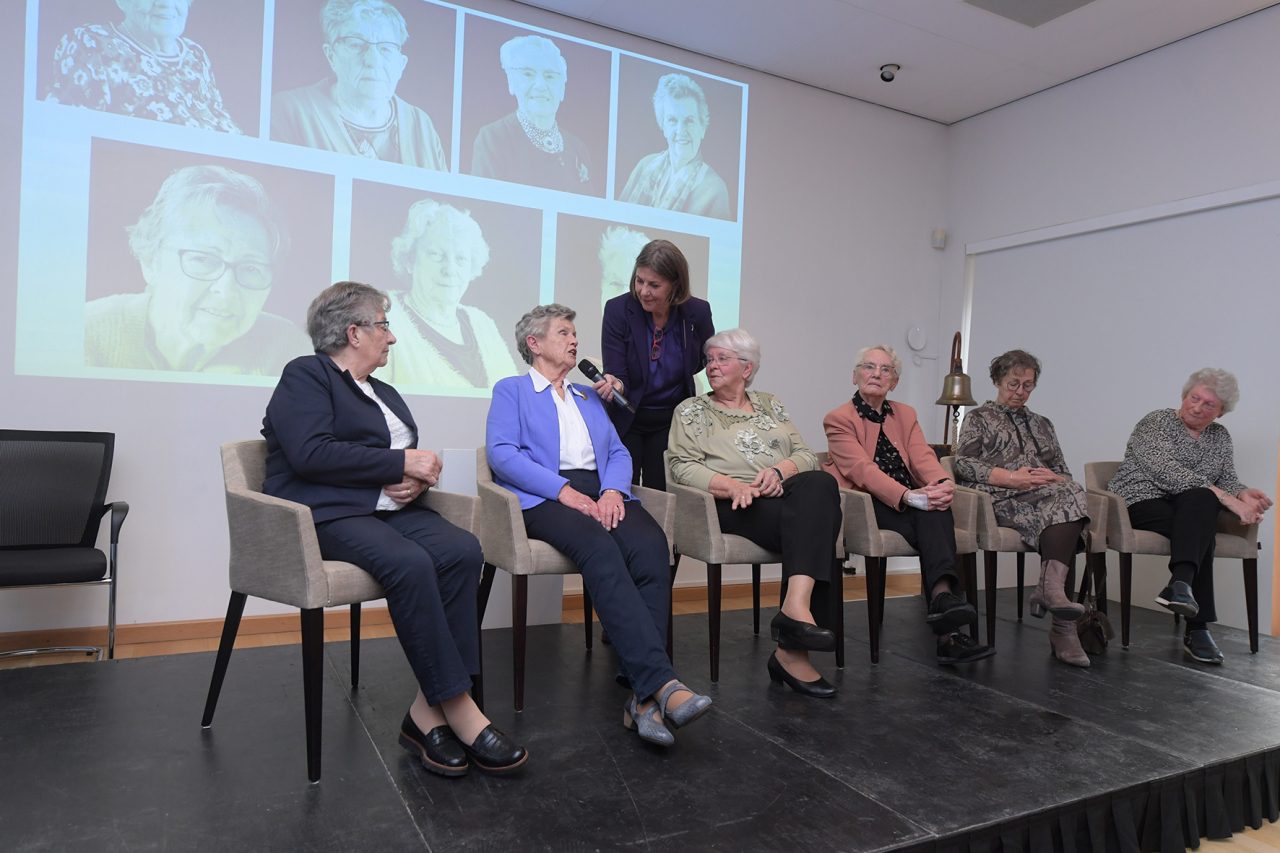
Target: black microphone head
point(589, 370)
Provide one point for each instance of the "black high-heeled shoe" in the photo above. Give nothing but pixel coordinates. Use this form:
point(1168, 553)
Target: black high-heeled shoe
point(794, 634)
point(820, 689)
point(494, 753)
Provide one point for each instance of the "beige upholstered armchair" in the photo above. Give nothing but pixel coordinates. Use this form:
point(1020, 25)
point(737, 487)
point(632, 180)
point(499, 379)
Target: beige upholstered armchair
point(274, 555)
point(1234, 541)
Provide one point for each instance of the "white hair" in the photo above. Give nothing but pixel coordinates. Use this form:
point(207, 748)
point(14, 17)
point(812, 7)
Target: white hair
point(1222, 383)
point(740, 343)
point(887, 350)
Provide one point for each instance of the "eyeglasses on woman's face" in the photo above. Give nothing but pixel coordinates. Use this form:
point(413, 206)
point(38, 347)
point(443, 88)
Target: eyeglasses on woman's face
point(206, 266)
point(354, 47)
point(1012, 385)
point(871, 369)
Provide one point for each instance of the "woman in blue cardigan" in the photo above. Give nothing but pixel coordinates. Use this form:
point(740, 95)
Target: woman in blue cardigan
point(551, 443)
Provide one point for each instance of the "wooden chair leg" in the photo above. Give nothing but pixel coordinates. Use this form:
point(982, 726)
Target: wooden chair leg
point(355, 645)
point(1251, 601)
point(587, 615)
point(837, 604)
point(989, 566)
point(1022, 579)
point(875, 603)
point(713, 617)
point(519, 623)
point(312, 684)
point(755, 598)
point(1126, 593)
point(230, 626)
point(969, 566)
point(671, 611)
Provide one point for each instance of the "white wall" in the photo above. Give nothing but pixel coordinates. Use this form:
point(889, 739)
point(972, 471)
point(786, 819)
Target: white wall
point(1190, 119)
point(841, 197)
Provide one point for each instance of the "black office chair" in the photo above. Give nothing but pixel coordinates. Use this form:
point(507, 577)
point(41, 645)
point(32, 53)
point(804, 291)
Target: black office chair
point(52, 488)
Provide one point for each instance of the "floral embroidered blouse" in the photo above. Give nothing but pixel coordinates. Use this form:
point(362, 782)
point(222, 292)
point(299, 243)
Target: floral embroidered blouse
point(708, 439)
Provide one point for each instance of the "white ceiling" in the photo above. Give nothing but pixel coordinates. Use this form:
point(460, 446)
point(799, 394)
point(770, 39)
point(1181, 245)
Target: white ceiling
point(957, 60)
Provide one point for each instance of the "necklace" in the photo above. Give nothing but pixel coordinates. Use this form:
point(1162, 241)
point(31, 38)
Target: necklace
point(550, 140)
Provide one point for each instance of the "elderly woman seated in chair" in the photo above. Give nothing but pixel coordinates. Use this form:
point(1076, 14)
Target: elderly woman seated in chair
point(552, 444)
point(879, 448)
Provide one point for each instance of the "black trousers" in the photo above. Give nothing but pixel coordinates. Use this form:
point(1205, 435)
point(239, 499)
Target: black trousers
point(1190, 520)
point(932, 533)
point(430, 571)
point(802, 524)
point(646, 441)
point(626, 572)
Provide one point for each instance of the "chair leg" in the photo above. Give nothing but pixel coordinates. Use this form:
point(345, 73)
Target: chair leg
point(587, 615)
point(989, 559)
point(1126, 593)
point(111, 608)
point(755, 598)
point(1251, 601)
point(969, 566)
point(355, 645)
point(713, 617)
point(519, 623)
point(482, 594)
point(312, 683)
point(837, 604)
point(1021, 559)
point(230, 625)
point(875, 603)
point(671, 610)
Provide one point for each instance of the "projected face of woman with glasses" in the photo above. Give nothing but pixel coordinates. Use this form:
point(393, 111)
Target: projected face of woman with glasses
point(208, 280)
point(366, 59)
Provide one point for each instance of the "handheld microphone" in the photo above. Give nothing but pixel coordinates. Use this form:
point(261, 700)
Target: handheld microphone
point(589, 370)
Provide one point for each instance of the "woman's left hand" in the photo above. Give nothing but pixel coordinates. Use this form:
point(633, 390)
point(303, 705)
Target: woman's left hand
point(768, 482)
point(607, 385)
point(406, 490)
point(940, 494)
point(1255, 498)
point(612, 508)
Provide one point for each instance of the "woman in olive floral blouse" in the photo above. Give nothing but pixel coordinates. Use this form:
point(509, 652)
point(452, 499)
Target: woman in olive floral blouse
point(742, 447)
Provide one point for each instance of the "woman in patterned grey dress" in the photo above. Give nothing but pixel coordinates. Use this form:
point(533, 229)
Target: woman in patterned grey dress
point(1178, 474)
point(742, 447)
point(1012, 454)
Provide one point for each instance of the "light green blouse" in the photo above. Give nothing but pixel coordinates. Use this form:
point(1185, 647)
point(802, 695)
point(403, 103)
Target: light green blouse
point(708, 439)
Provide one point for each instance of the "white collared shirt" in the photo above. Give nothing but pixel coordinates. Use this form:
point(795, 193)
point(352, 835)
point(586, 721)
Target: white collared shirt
point(576, 452)
point(401, 437)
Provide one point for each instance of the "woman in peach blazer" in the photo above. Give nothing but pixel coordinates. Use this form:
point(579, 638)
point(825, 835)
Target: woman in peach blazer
point(878, 448)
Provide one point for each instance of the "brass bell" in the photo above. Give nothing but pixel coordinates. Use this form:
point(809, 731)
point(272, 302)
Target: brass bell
point(956, 387)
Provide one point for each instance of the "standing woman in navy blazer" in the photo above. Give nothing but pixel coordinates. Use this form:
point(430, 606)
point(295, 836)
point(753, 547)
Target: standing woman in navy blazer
point(551, 443)
point(345, 445)
point(652, 341)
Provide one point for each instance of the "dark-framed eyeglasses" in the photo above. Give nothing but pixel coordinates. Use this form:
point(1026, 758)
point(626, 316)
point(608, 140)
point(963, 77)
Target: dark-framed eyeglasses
point(381, 325)
point(355, 47)
point(655, 351)
point(206, 266)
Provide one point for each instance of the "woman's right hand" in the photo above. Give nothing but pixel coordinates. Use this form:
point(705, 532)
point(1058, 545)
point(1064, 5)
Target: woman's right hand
point(607, 385)
point(422, 465)
point(1243, 511)
point(741, 494)
point(574, 499)
point(1029, 478)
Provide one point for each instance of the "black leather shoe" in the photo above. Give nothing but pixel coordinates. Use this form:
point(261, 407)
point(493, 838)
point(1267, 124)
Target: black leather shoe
point(961, 648)
point(1178, 598)
point(439, 750)
point(495, 753)
point(949, 611)
point(820, 689)
point(794, 634)
point(1198, 644)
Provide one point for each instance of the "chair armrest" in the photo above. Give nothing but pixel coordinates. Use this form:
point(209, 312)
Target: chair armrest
point(697, 525)
point(501, 529)
point(459, 510)
point(861, 533)
point(1096, 532)
point(1120, 536)
point(965, 508)
point(274, 552)
point(119, 509)
point(1232, 526)
point(662, 506)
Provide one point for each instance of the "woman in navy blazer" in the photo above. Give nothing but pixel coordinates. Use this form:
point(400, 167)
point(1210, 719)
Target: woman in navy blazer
point(551, 443)
point(345, 445)
point(652, 341)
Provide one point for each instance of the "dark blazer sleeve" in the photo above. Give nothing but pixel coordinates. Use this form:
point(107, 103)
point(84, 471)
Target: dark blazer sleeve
point(703, 327)
point(614, 336)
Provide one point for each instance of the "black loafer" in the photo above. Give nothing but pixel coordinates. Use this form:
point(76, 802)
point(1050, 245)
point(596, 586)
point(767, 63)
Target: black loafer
point(948, 611)
point(1198, 645)
point(495, 753)
point(1178, 598)
point(439, 750)
point(794, 634)
point(820, 689)
point(961, 648)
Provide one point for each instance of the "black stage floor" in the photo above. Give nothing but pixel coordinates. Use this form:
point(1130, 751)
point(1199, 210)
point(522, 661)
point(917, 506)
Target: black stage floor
point(1143, 751)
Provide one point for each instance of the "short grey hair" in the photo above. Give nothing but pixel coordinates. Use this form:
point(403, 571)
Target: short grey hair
point(888, 350)
point(1220, 382)
point(201, 186)
point(536, 323)
point(346, 303)
point(540, 43)
point(426, 214)
point(1014, 359)
point(739, 342)
point(672, 87)
point(338, 13)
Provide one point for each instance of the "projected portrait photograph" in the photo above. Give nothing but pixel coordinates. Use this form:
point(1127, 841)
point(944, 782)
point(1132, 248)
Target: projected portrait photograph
point(555, 134)
point(696, 120)
point(368, 78)
point(155, 59)
point(594, 260)
point(460, 273)
point(189, 262)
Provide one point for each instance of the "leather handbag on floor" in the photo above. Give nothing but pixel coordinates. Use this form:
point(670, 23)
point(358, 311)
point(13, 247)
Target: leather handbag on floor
point(1094, 629)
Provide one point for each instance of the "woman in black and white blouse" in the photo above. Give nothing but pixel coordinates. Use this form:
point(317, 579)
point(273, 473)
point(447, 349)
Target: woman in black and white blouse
point(1178, 473)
